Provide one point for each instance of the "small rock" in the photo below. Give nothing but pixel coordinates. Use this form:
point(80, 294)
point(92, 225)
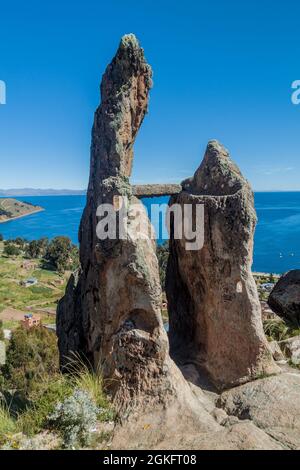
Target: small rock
point(291, 348)
point(219, 415)
point(276, 351)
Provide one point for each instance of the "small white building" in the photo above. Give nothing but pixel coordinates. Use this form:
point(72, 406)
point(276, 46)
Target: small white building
point(32, 281)
point(267, 287)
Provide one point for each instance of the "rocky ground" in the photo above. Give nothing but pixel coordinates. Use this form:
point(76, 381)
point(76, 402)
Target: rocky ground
point(263, 414)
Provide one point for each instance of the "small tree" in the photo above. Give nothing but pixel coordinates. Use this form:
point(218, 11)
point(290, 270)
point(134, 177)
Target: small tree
point(19, 241)
point(61, 253)
point(43, 245)
point(32, 249)
point(1, 237)
point(11, 250)
point(31, 356)
point(37, 248)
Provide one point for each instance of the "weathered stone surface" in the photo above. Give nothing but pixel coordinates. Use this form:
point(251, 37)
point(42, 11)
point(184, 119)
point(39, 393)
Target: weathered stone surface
point(272, 404)
point(276, 351)
point(111, 310)
point(174, 431)
point(285, 297)
point(206, 427)
point(214, 309)
point(155, 190)
point(267, 313)
point(291, 349)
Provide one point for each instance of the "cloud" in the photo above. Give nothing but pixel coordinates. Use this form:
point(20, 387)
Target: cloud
point(267, 171)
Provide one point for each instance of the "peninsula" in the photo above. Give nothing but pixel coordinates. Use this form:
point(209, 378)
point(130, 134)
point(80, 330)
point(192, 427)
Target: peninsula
point(11, 209)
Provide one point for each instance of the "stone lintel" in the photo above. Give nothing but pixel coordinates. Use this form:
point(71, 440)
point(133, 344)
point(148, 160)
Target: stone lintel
point(155, 190)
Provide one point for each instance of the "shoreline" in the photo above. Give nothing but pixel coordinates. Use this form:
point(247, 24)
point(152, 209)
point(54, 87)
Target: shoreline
point(256, 273)
point(21, 216)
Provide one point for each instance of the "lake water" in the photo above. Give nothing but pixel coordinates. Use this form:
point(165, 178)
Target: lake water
point(277, 238)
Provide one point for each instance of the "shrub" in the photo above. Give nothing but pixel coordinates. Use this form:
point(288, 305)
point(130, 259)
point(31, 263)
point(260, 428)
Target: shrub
point(37, 248)
point(62, 254)
point(83, 377)
point(75, 418)
point(42, 403)
point(20, 242)
point(1, 237)
point(11, 250)
point(279, 330)
point(31, 356)
point(7, 423)
point(275, 329)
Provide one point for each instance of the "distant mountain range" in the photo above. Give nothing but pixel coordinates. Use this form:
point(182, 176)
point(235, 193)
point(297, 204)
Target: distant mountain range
point(41, 192)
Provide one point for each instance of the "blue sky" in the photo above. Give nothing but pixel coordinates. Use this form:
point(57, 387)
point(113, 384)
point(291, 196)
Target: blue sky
point(221, 70)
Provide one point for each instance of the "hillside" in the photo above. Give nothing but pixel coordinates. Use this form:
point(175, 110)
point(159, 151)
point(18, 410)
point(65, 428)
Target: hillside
point(38, 299)
point(12, 208)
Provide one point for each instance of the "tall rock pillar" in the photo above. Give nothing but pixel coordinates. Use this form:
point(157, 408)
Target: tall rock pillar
point(111, 310)
point(215, 314)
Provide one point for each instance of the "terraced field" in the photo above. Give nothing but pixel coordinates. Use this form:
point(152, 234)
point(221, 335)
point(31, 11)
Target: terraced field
point(40, 298)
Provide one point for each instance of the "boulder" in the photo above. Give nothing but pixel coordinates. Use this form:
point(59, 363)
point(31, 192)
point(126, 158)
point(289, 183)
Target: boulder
point(285, 297)
point(168, 430)
point(272, 404)
point(214, 309)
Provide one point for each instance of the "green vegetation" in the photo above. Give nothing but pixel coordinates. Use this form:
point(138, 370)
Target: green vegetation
point(11, 250)
point(31, 357)
point(42, 403)
point(37, 248)
point(17, 265)
point(280, 329)
point(35, 396)
point(62, 254)
point(74, 418)
point(7, 423)
point(38, 397)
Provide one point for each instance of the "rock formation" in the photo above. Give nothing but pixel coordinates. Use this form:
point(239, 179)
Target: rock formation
point(110, 313)
point(155, 190)
point(272, 404)
point(285, 297)
point(111, 310)
point(215, 314)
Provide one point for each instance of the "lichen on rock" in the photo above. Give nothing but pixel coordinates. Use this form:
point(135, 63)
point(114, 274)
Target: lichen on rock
point(111, 311)
point(215, 313)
